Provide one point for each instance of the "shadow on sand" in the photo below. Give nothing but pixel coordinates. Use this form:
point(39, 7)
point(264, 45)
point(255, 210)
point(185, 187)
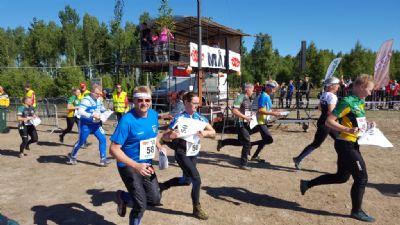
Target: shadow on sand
point(242, 195)
point(67, 214)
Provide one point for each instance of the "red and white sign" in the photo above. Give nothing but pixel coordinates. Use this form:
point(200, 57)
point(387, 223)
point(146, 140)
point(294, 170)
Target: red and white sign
point(180, 71)
point(214, 57)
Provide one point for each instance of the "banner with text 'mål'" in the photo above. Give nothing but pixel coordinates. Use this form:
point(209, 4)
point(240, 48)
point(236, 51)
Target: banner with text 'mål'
point(382, 64)
point(332, 67)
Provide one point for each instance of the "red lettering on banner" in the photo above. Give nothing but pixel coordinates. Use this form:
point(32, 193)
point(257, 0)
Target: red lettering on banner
point(235, 62)
point(194, 54)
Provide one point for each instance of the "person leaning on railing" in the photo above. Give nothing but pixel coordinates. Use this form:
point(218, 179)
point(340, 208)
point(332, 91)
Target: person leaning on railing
point(165, 37)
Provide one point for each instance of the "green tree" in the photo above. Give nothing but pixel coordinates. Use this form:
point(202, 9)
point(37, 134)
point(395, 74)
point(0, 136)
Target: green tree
point(42, 43)
point(360, 60)
point(285, 69)
point(395, 66)
point(71, 35)
point(263, 59)
point(3, 49)
point(144, 17)
point(18, 40)
point(89, 29)
point(165, 17)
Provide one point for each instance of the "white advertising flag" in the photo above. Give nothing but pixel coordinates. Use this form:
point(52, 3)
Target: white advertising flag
point(382, 63)
point(332, 67)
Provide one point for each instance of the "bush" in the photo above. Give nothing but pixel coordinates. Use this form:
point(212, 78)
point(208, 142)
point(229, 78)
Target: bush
point(13, 80)
point(66, 79)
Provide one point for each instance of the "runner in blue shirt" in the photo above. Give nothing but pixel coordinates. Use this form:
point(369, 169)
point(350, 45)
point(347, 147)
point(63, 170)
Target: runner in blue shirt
point(186, 152)
point(264, 111)
point(133, 145)
point(90, 110)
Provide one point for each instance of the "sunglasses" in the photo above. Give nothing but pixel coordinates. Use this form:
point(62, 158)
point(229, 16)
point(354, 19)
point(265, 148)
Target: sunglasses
point(147, 100)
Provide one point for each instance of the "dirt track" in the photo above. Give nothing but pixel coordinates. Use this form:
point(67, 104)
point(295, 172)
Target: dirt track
point(42, 189)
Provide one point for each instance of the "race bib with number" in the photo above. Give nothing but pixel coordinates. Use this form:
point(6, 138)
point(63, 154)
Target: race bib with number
point(147, 149)
point(192, 149)
point(362, 125)
point(248, 113)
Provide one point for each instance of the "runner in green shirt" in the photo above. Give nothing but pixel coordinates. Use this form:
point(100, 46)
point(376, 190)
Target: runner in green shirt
point(348, 118)
point(73, 104)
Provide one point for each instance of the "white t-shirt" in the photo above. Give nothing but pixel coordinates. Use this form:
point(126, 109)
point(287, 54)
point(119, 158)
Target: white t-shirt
point(328, 98)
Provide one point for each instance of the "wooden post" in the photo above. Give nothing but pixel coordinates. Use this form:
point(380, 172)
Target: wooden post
point(200, 70)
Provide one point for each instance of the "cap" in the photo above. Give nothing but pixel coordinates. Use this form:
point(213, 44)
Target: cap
point(331, 81)
point(270, 84)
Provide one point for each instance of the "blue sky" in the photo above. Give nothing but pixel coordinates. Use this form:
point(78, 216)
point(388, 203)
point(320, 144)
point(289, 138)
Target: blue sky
point(335, 25)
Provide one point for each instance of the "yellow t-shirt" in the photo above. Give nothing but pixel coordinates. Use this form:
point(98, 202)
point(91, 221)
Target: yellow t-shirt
point(31, 94)
point(4, 100)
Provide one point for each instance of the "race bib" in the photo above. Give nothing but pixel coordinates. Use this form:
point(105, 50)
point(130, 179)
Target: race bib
point(362, 125)
point(247, 113)
point(147, 149)
point(192, 149)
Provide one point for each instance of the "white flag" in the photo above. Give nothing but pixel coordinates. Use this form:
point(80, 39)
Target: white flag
point(332, 67)
point(382, 63)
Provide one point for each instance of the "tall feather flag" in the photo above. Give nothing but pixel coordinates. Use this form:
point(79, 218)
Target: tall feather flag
point(382, 63)
point(332, 67)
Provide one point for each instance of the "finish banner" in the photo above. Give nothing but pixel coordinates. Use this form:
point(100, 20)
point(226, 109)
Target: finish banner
point(213, 58)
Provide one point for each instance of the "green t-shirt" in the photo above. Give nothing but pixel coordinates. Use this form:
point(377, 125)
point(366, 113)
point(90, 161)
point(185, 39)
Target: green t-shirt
point(75, 101)
point(26, 112)
point(348, 110)
point(243, 103)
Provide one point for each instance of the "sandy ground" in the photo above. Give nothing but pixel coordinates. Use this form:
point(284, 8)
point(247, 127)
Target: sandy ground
point(42, 189)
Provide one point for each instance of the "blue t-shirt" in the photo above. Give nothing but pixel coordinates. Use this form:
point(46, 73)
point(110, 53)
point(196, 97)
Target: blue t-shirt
point(290, 89)
point(264, 102)
point(131, 130)
point(196, 116)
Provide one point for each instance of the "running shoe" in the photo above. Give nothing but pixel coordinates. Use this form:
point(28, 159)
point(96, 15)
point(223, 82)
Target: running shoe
point(296, 163)
point(199, 213)
point(243, 167)
point(219, 145)
point(257, 159)
point(71, 160)
point(304, 186)
point(121, 204)
point(361, 215)
point(104, 162)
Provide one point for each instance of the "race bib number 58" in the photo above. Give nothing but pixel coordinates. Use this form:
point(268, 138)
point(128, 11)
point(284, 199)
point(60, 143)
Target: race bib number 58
point(147, 149)
point(192, 149)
